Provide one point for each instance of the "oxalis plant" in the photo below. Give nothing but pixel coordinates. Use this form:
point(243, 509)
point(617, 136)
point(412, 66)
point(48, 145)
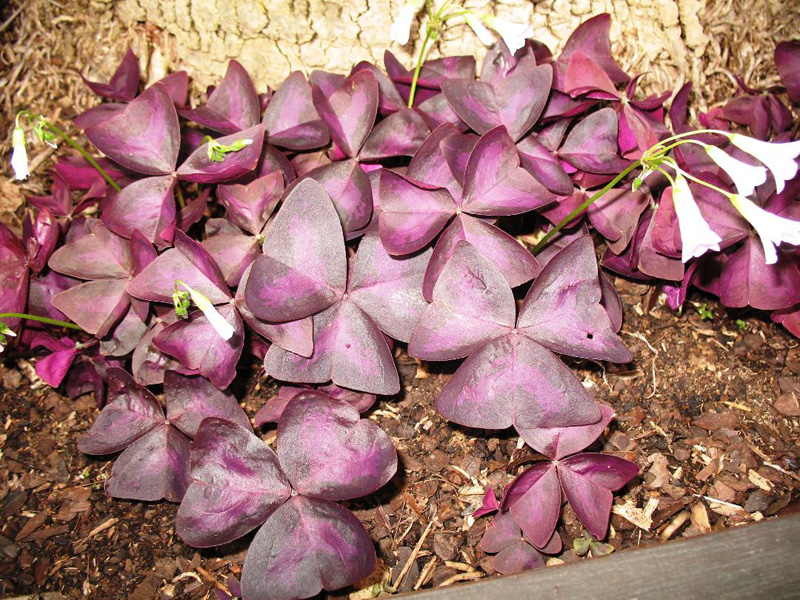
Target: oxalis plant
point(328, 225)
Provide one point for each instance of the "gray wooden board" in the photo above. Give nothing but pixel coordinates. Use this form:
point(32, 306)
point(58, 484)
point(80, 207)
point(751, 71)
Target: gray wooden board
point(754, 561)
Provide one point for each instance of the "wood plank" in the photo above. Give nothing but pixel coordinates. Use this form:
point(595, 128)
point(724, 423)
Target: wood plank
point(754, 561)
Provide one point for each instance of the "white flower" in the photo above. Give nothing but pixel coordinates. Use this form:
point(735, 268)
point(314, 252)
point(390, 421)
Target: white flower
point(401, 27)
point(697, 237)
point(772, 229)
point(513, 34)
point(5, 330)
point(745, 177)
point(19, 154)
point(779, 158)
point(217, 321)
point(484, 35)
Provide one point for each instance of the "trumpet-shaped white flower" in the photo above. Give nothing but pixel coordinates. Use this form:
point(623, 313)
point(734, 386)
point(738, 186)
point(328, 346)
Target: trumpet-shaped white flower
point(745, 177)
point(513, 34)
point(484, 35)
point(19, 154)
point(697, 237)
point(401, 27)
point(779, 157)
point(772, 229)
point(217, 321)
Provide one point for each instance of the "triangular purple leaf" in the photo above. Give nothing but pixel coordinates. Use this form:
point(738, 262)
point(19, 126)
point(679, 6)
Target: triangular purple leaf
point(192, 399)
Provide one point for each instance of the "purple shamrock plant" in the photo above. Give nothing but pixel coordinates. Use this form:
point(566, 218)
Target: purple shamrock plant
point(306, 542)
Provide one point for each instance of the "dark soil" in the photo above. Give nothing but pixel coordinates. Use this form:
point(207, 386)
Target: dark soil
point(709, 410)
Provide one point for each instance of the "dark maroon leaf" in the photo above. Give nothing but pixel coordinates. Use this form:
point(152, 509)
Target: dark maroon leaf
point(124, 83)
point(399, 134)
point(592, 144)
point(290, 120)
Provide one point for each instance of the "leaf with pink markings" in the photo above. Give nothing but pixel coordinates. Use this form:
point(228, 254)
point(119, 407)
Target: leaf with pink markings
point(199, 168)
point(145, 136)
point(434, 162)
point(411, 213)
point(146, 205)
point(515, 101)
point(328, 451)
point(232, 106)
point(192, 399)
point(495, 184)
point(569, 287)
point(348, 187)
point(124, 83)
point(305, 546)
point(558, 442)
point(291, 120)
point(399, 134)
point(196, 344)
point(155, 466)
point(236, 484)
point(350, 111)
point(249, 206)
point(349, 349)
point(588, 480)
point(514, 261)
point(304, 267)
point(592, 144)
point(616, 215)
point(98, 255)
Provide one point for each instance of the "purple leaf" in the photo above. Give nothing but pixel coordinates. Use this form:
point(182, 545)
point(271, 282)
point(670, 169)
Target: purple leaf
point(472, 304)
point(249, 206)
point(489, 505)
point(494, 182)
point(517, 558)
point(125, 336)
point(399, 134)
point(437, 111)
point(146, 205)
point(515, 262)
point(390, 100)
point(592, 144)
point(569, 287)
point(233, 106)
point(145, 137)
point(787, 60)
point(592, 39)
point(236, 484)
point(148, 363)
point(54, 367)
point(588, 480)
point(546, 168)
point(95, 306)
point(558, 442)
point(177, 85)
point(40, 236)
point(13, 275)
point(305, 546)
point(192, 399)
point(199, 168)
point(387, 288)
point(584, 76)
point(348, 187)
point(611, 302)
point(124, 83)
point(303, 269)
point(328, 451)
point(501, 533)
point(98, 255)
point(411, 213)
point(154, 467)
point(233, 253)
point(616, 215)
point(348, 349)
point(534, 500)
point(294, 336)
point(350, 111)
point(291, 121)
point(131, 412)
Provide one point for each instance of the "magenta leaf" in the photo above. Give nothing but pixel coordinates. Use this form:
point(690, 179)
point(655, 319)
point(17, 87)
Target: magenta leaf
point(592, 39)
point(348, 187)
point(569, 286)
point(390, 100)
point(534, 500)
point(236, 484)
point(558, 442)
point(148, 363)
point(350, 111)
point(95, 306)
point(399, 134)
point(588, 480)
point(39, 236)
point(494, 182)
point(145, 137)
point(585, 76)
point(271, 412)
point(290, 120)
point(125, 336)
point(233, 253)
point(156, 466)
point(131, 412)
point(98, 255)
point(232, 106)
point(196, 344)
point(305, 546)
point(199, 168)
point(54, 367)
point(328, 451)
point(517, 558)
point(249, 206)
point(544, 166)
point(489, 505)
point(592, 144)
point(192, 399)
point(146, 205)
point(616, 215)
point(303, 269)
point(124, 83)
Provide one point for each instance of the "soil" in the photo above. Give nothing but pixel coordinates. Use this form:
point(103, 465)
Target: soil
point(708, 410)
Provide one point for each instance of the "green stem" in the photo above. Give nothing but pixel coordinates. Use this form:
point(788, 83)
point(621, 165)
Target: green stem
point(181, 201)
point(89, 158)
point(422, 52)
point(46, 320)
point(568, 219)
